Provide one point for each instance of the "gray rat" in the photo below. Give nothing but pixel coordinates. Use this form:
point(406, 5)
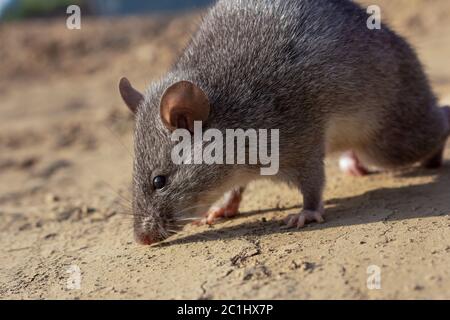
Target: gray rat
point(310, 68)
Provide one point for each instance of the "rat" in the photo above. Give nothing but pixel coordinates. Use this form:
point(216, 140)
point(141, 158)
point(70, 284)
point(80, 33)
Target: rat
point(310, 68)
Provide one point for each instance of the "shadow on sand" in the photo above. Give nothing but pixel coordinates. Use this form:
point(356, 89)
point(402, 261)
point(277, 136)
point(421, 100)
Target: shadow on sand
point(350, 210)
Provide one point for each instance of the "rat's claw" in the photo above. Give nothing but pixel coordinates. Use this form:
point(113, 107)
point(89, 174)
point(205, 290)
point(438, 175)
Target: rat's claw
point(306, 216)
point(216, 213)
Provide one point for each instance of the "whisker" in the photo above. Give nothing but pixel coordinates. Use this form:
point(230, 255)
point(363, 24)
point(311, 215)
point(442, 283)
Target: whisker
point(120, 141)
point(178, 213)
point(188, 219)
point(115, 192)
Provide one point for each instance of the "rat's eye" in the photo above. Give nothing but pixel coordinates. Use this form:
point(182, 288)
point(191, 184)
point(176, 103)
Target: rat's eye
point(159, 182)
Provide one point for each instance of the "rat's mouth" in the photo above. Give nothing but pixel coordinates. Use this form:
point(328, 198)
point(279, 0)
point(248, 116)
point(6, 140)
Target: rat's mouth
point(147, 238)
point(162, 231)
point(148, 231)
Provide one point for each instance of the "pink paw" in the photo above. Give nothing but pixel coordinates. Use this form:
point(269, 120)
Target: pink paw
point(350, 164)
point(306, 216)
point(228, 208)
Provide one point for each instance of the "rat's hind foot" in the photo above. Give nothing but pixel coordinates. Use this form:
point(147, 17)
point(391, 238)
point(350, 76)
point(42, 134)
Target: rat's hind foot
point(351, 165)
point(227, 208)
point(305, 216)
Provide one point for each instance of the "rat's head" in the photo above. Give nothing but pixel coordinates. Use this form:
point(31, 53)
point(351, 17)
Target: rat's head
point(166, 194)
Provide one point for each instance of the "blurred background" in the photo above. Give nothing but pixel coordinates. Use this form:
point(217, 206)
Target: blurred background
point(22, 9)
point(66, 136)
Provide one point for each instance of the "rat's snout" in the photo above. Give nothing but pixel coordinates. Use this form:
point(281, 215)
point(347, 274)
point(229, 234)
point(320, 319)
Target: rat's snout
point(146, 231)
point(146, 238)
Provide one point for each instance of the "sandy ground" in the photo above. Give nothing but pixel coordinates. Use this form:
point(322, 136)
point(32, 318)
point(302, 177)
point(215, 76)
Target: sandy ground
point(65, 172)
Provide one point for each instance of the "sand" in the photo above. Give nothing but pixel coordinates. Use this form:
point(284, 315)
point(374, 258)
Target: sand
point(65, 172)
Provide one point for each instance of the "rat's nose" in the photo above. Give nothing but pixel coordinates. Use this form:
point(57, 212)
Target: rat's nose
point(145, 239)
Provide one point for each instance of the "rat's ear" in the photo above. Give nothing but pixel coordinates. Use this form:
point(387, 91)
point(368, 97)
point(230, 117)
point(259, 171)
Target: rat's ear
point(131, 96)
point(182, 104)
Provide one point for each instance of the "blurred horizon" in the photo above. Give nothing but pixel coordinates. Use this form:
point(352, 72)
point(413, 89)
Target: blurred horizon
point(26, 9)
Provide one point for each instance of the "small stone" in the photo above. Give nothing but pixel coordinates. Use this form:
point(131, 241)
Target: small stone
point(51, 198)
point(26, 226)
point(303, 265)
point(65, 214)
point(50, 236)
point(88, 210)
point(28, 162)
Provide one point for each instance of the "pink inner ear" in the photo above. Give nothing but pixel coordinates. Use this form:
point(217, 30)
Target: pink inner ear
point(182, 104)
point(182, 122)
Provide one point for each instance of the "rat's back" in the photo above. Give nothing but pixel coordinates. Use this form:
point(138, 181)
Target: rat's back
point(310, 67)
point(260, 52)
point(251, 44)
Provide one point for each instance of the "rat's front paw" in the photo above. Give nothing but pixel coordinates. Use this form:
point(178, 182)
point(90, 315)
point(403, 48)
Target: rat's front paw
point(216, 213)
point(228, 208)
point(306, 216)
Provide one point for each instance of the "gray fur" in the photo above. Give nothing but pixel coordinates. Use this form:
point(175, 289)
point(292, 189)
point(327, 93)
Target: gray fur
point(310, 68)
